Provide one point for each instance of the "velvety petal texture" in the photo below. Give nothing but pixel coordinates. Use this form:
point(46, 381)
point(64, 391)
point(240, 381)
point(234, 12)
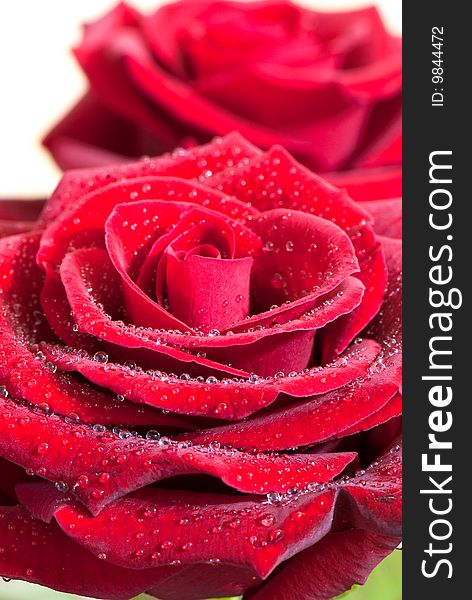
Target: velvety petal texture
point(200, 370)
point(327, 86)
point(18, 216)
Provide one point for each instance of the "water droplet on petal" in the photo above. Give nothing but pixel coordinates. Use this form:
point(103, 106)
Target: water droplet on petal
point(61, 486)
point(100, 357)
point(267, 520)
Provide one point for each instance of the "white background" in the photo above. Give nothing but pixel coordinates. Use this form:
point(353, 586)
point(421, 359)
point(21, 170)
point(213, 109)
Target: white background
point(39, 79)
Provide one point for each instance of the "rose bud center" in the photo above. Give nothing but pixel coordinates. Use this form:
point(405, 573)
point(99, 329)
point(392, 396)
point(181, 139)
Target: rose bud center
point(206, 286)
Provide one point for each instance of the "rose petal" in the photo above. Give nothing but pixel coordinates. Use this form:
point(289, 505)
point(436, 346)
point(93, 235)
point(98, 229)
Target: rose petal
point(370, 184)
point(58, 314)
point(162, 222)
point(225, 399)
point(10, 476)
point(43, 554)
point(373, 273)
point(275, 179)
point(306, 253)
point(328, 568)
point(310, 421)
point(24, 372)
point(94, 264)
point(387, 216)
point(90, 135)
point(96, 464)
point(20, 210)
point(152, 517)
point(326, 416)
point(383, 147)
point(187, 164)
point(203, 291)
point(389, 411)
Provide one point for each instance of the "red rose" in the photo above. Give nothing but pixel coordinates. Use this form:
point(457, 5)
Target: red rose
point(18, 215)
point(199, 383)
point(327, 86)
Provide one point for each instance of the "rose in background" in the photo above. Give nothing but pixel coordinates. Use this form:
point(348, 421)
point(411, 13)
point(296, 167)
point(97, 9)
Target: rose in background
point(327, 86)
point(199, 382)
point(17, 216)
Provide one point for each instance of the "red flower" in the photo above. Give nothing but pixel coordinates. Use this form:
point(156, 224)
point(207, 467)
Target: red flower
point(18, 215)
point(327, 86)
point(200, 371)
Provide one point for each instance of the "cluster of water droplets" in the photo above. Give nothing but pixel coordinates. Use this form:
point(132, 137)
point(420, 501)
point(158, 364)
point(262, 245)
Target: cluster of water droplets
point(382, 473)
point(130, 369)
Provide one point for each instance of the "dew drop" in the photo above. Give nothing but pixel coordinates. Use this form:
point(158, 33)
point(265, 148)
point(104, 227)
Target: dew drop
point(149, 512)
point(104, 478)
point(274, 497)
point(267, 520)
point(100, 357)
point(42, 448)
point(61, 486)
point(72, 418)
point(276, 535)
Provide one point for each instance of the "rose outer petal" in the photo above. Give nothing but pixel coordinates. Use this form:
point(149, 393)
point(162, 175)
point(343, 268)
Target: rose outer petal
point(96, 464)
point(310, 421)
point(267, 534)
point(201, 161)
point(25, 373)
point(387, 216)
point(221, 399)
point(21, 210)
point(58, 314)
point(18, 216)
point(329, 568)
point(370, 184)
point(91, 136)
point(10, 476)
point(43, 554)
point(83, 225)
